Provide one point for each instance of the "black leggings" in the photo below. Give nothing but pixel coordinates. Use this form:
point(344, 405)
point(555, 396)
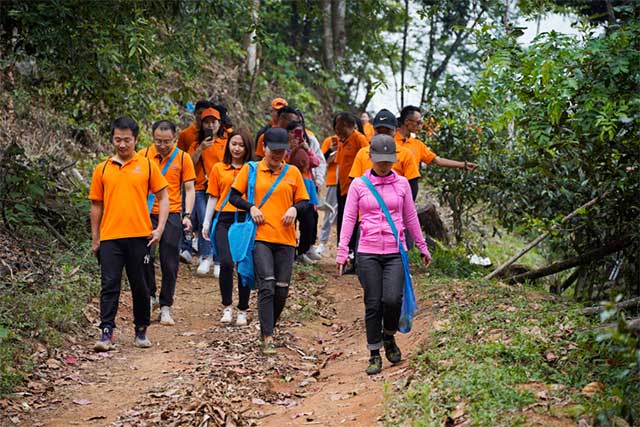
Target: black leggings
point(308, 224)
point(227, 265)
point(273, 264)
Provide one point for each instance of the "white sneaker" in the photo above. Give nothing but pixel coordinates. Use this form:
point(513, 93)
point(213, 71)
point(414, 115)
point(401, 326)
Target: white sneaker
point(305, 259)
point(313, 255)
point(185, 256)
point(194, 244)
point(216, 270)
point(165, 316)
point(241, 320)
point(205, 266)
point(227, 315)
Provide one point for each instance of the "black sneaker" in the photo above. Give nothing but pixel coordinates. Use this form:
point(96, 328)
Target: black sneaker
point(106, 342)
point(391, 350)
point(375, 365)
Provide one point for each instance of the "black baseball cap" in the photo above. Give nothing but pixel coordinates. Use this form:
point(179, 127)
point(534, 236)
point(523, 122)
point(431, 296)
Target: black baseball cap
point(276, 139)
point(382, 149)
point(385, 119)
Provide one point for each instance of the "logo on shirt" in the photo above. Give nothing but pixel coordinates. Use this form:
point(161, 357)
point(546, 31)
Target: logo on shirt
point(137, 170)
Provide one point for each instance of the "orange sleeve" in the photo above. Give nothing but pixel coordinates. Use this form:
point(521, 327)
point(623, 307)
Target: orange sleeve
point(409, 166)
point(242, 180)
point(325, 145)
point(157, 181)
point(300, 193)
point(97, 188)
point(356, 169)
point(213, 188)
point(426, 155)
point(260, 146)
point(188, 170)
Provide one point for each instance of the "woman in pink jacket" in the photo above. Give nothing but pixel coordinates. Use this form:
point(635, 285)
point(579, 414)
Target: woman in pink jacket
point(380, 268)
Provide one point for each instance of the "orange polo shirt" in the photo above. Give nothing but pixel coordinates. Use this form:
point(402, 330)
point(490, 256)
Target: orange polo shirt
point(405, 165)
point(208, 158)
point(188, 137)
point(180, 171)
point(290, 191)
point(368, 131)
point(347, 152)
point(420, 151)
point(123, 190)
point(220, 179)
point(332, 178)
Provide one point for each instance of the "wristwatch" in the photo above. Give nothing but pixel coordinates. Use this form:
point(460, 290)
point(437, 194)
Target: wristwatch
point(186, 215)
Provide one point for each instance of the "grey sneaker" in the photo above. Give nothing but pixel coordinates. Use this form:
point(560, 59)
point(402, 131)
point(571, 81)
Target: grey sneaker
point(141, 339)
point(106, 342)
point(165, 316)
point(185, 256)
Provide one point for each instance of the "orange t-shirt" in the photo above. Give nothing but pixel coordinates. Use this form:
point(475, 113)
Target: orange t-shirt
point(220, 179)
point(332, 167)
point(347, 152)
point(188, 137)
point(368, 130)
point(208, 158)
point(290, 191)
point(180, 171)
point(123, 190)
point(420, 151)
point(405, 164)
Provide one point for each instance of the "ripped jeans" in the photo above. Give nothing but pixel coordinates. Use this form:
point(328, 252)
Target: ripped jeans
point(273, 264)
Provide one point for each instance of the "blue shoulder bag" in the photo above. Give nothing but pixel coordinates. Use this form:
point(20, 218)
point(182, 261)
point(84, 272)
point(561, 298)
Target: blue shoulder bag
point(242, 235)
point(409, 304)
point(151, 199)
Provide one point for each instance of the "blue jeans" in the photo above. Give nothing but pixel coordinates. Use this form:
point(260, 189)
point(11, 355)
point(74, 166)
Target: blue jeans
point(197, 218)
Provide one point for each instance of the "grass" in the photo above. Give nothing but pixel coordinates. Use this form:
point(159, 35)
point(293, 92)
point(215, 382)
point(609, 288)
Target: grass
point(42, 310)
point(496, 348)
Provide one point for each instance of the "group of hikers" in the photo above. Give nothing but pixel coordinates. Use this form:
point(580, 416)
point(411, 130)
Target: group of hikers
point(200, 190)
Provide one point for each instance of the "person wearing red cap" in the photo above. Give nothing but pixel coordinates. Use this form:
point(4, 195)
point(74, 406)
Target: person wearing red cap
point(276, 105)
point(208, 151)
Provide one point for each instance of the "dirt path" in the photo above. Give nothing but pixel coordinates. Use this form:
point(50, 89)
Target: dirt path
point(202, 373)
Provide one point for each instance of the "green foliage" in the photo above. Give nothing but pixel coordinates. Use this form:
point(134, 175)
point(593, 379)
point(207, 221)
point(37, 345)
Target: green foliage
point(567, 119)
point(495, 347)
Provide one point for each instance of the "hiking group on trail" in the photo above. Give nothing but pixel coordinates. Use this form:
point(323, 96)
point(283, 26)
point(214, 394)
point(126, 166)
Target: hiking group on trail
point(202, 191)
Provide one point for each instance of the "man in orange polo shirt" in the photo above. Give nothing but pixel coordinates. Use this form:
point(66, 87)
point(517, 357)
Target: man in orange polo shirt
point(410, 122)
point(180, 174)
point(121, 229)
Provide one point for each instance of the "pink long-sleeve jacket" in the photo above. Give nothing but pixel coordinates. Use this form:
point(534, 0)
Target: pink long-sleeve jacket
point(376, 236)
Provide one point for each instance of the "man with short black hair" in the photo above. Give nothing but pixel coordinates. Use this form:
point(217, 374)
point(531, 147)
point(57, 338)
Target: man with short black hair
point(177, 168)
point(121, 229)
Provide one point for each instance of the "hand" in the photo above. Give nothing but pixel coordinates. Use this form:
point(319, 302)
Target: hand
point(154, 237)
point(186, 224)
point(256, 215)
point(469, 166)
point(340, 268)
point(289, 216)
point(205, 231)
point(304, 146)
point(95, 246)
point(426, 260)
point(334, 144)
point(208, 142)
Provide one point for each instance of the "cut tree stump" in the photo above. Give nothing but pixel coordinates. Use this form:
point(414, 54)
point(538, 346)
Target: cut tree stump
point(431, 222)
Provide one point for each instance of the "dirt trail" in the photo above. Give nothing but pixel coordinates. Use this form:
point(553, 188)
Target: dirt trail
point(317, 378)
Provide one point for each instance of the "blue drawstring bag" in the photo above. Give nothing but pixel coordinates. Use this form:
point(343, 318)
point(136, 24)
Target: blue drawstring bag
point(409, 304)
point(242, 235)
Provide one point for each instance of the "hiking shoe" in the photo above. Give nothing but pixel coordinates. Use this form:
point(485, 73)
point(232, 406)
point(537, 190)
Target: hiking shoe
point(227, 315)
point(241, 320)
point(165, 316)
point(216, 271)
point(185, 256)
point(269, 349)
point(205, 266)
point(391, 350)
point(375, 365)
point(141, 339)
point(313, 255)
point(305, 259)
point(106, 342)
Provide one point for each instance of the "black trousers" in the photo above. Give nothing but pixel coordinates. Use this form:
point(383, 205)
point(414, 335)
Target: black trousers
point(130, 254)
point(227, 266)
point(273, 265)
point(169, 259)
point(308, 224)
point(382, 278)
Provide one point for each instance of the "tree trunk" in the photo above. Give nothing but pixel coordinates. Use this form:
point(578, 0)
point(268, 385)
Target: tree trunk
point(339, 32)
point(369, 92)
point(428, 59)
point(432, 223)
point(593, 255)
point(327, 35)
point(630, 303)
point(251, 45)
point(403, 58)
